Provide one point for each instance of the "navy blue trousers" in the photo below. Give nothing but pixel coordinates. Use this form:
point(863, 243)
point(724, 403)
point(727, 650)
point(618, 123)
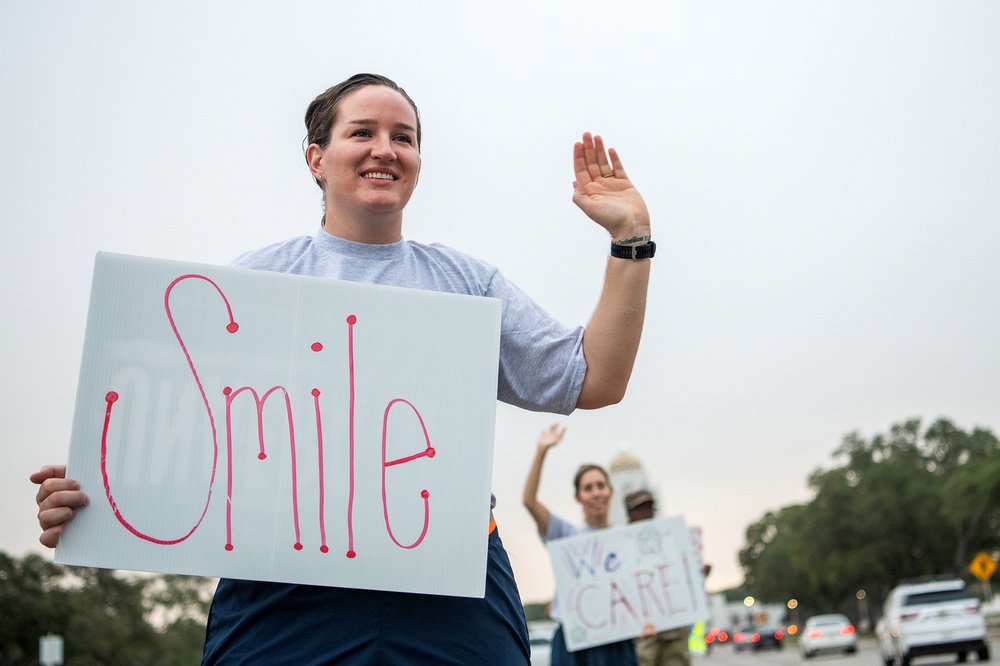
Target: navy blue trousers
point(275, 623)
point(621, 653)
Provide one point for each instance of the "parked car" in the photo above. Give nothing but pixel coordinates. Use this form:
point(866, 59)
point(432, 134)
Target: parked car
point(827, 633)
point(540, 638)
point(717, 636)
point(741, 638)
point(758, 638)
point(937, 617)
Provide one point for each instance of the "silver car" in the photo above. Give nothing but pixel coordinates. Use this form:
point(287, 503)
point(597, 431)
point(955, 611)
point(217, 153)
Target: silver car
point(827, 633)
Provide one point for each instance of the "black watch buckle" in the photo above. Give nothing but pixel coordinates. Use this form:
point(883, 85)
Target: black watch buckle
point(642, 251)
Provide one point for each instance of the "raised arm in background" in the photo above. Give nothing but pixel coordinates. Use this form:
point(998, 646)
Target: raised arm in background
point(538, 511)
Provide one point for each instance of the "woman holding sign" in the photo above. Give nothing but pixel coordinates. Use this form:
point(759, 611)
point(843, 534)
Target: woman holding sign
point(593, 492)
point(364, 139)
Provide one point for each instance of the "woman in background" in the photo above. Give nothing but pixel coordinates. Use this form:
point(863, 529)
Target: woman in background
point(594, 493)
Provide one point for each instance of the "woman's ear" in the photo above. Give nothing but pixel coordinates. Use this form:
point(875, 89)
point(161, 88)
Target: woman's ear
point(314, 158)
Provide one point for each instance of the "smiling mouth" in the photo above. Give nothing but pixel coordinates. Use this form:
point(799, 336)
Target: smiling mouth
point(375, 175)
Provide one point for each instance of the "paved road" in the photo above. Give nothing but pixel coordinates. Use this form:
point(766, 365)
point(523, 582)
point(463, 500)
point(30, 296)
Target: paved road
point(865, 656)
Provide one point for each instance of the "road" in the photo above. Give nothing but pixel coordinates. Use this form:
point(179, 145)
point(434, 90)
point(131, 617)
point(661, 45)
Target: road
point(865, 656)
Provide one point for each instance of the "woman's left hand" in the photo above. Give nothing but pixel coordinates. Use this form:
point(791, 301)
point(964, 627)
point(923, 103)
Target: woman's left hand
point(603, 191)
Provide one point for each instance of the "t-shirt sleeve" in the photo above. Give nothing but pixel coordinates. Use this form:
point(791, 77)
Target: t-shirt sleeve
point(541, 359)
point(559, 528)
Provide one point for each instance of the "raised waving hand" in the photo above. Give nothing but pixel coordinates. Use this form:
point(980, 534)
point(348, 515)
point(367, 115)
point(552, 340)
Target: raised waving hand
point(604, 192)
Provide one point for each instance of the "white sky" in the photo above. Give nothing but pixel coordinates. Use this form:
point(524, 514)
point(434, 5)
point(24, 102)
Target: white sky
point(822, 178)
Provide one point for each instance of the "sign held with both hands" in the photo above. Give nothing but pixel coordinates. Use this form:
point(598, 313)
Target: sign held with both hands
point(612, 582)
point(257, 425)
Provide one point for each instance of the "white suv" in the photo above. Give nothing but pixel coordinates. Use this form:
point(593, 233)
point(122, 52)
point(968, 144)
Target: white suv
point(938, 617)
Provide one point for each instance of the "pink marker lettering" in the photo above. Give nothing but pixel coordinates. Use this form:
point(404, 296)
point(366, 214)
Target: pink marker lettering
point(663, 571)
point(644, 586)
point(351, 321)
point(323, 548)
point(584, 620)
point(112, 397)
point(618, 598)
point(259, 403)
point(428, 452)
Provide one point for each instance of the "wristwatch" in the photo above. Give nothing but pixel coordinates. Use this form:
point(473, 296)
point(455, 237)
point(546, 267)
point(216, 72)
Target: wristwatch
point(642, 251)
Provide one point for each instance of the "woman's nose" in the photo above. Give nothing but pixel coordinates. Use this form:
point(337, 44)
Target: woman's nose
point(382, 148)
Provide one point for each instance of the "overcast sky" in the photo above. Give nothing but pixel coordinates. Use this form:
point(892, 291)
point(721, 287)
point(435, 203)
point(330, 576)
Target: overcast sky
point(822, 178)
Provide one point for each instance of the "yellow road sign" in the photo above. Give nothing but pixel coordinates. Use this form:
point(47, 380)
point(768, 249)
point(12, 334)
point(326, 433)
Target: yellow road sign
point(982, 567)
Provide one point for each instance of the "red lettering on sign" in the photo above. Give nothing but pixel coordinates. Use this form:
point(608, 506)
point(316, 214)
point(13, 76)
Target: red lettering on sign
point(428, 452)
point(259, 401)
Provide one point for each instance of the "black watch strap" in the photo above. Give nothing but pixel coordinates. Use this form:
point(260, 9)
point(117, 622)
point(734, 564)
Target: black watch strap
point(644, 251)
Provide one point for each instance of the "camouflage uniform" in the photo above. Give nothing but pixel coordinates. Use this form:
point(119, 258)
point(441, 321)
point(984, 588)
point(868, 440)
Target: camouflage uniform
point(667, 648)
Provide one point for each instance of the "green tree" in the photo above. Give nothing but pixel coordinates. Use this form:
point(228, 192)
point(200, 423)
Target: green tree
point(107, 626)
point(30, 606)
point(181, 605)
point(970, 466)
point(899, 505)
point(182, 642)
point(106, 618)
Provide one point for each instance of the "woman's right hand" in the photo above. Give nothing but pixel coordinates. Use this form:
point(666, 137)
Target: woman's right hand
point(551, 437)
point(58, 498)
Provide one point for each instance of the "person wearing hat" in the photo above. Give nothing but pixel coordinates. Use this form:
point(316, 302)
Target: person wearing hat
point(666, 648)
point(640, 505)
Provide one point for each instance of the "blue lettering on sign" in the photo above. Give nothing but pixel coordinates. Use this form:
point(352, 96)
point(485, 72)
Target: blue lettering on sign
point(588, 557)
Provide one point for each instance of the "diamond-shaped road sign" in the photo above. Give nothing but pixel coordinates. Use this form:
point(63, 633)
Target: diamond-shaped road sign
point(982, 567)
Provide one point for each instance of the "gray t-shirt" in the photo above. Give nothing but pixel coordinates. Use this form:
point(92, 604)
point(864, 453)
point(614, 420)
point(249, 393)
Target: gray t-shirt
point(541, 359)
point(560, 528)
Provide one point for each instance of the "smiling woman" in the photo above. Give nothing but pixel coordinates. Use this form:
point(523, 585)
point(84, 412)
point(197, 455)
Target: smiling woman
point(364, 153)
point(368, 162)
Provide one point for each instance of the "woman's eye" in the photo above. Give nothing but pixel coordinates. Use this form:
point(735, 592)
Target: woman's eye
point(405, 138)
point(362, 132)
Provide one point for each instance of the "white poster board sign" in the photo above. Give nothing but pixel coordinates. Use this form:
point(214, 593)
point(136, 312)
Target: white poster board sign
point(610, 583)
point(266, 426)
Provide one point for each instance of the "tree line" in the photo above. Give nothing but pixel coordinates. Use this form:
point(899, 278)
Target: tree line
point(106, 618)
point(906, 504)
